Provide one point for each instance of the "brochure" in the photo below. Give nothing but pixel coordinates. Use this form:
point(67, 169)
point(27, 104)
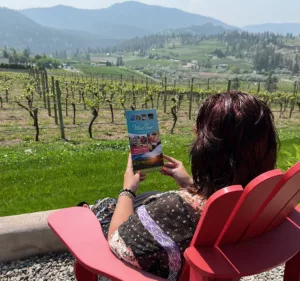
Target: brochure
point(144, 140)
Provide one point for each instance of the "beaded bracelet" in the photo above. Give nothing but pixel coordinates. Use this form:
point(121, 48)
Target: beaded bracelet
point(126, 193)
point(128, 190)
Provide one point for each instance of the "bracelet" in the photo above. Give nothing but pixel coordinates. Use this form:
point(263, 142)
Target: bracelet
point(126, 193)
point(128, 190)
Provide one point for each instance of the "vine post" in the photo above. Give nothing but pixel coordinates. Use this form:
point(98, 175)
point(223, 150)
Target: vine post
point(133, 92)
point(229, 85)
point(43, 88)
point(191, 99)
point(47, 93)
point(165, 96)
point(38, 85)
point(36, 123)
point(293, 101)
point(60, 114)
point(258, 87)
point(147, 91)
point(54, 100)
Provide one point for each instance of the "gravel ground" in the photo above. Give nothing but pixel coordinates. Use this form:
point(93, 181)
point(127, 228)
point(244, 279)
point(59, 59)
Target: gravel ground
point(56, 267)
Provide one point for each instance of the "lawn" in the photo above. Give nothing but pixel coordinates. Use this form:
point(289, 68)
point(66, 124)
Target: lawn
point(108, 70)
point(148, 62)
point(44, 176)
point(191, 52)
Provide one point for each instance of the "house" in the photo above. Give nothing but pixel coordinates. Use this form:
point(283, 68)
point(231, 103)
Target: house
point(222, 66)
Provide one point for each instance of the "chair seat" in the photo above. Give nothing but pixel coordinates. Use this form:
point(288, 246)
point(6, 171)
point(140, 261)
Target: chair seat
point(80, 231)
point(249, 257)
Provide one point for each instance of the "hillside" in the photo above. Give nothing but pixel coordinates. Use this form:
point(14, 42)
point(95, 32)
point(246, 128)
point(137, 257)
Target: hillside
point(277, 28)
point(128, 19)
point(18, 31)
point(204, 29)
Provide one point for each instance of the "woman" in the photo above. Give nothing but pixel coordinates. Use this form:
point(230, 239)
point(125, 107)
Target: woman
point(235, 142)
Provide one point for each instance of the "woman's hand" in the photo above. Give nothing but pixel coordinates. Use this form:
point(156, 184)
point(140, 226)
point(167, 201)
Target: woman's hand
point(176, 170)
point(131, 180)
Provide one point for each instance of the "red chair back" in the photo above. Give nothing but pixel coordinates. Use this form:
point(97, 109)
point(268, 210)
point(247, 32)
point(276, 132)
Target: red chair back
point(278, 205)
point(248, 206)
point(215, 215)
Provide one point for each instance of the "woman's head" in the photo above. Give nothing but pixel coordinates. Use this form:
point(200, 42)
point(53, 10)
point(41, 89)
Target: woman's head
point(235, 141)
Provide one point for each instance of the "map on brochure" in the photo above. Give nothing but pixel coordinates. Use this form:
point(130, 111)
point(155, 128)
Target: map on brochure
point(144, 140)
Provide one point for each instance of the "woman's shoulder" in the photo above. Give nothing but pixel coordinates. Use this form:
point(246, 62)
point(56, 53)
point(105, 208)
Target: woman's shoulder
point(181, 196)
point(196, 201)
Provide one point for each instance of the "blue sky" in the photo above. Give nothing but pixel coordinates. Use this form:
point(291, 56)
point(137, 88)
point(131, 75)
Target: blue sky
point(235, 12)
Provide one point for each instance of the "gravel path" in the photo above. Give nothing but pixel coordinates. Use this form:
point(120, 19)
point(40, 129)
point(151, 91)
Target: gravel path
point(56, 267)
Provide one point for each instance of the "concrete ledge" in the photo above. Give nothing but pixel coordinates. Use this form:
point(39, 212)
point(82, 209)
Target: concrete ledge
point(27, 235)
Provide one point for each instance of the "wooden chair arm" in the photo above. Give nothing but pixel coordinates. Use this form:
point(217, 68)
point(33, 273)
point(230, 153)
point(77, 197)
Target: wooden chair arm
point(249, 257)
point(79, 229)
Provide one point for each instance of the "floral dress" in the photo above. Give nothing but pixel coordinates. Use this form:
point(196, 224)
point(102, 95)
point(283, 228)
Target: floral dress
point(155, 237)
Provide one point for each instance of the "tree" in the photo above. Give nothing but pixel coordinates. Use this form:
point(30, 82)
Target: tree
point(296, 68)
point(207, 64)
point(26, 53)
point(271, 83)
point(47, 62)
point(235, 69)
point(120, 61)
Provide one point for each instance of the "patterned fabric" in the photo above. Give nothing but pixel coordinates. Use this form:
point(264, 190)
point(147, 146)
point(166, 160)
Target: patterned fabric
point(103, 210)
point(119, 247)
point(155, 237)
point(164, 240)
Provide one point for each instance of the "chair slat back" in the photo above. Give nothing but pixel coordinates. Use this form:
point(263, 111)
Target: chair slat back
point(288, 208)
point(278, 205)
point(249, 204)
point(215, 214)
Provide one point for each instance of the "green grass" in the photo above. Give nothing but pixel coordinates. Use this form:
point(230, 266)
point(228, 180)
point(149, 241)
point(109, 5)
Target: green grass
point(148, 62)
point(44, 176)
point(193, 52)
point(108, 70)
point(57, 175)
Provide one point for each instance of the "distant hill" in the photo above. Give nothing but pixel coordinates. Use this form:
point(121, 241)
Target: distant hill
point(204, 29)
point(280, 28)
point(122, 20)
point(18, 31)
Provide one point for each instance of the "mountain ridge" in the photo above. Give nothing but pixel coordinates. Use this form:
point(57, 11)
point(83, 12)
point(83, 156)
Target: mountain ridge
point(150, 18)
point(281, 28)
point(18, 31)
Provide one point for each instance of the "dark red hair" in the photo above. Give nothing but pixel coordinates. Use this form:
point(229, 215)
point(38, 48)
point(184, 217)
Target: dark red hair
point(235, 141)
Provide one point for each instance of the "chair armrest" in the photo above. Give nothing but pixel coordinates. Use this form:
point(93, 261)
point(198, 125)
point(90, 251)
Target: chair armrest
point(248, 257)
point(79, 229)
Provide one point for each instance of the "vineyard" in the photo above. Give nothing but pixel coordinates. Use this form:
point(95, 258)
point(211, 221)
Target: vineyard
point(38, 106)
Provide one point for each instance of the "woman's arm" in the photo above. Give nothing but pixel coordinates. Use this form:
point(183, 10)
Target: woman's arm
point(123, 211)
point(124, 208)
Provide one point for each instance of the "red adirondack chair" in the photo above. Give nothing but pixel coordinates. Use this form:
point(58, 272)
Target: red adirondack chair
point(240, 233)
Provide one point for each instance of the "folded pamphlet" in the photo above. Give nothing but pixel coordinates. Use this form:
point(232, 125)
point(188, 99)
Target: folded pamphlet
point(144, 140)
